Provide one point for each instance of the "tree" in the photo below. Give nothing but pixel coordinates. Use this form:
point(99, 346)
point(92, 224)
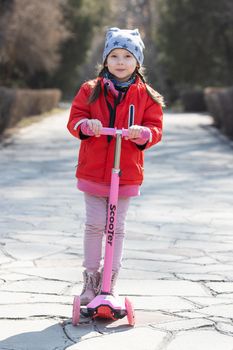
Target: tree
point(84, 17)
point(31, 33)
point(195, 41)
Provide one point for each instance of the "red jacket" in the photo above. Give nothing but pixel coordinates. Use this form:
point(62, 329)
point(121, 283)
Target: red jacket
point(96, 154)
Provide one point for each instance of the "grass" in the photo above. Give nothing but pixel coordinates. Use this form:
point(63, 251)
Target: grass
point(27, 121)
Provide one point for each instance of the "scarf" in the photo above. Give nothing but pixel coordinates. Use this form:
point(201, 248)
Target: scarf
point(120, 85)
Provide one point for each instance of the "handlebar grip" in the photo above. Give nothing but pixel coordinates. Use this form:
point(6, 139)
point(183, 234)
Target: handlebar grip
point(104, 131)
point(114, 131)
point(108, 131)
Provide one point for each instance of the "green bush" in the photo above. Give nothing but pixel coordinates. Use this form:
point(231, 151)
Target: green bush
point(219, 103)
point(6, 101)
point(226, 102)
point(213, 105)
point(194, 42)
point(16, 104)
point(193, 100)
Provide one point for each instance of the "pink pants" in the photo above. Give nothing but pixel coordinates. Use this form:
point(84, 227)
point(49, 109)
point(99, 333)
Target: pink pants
point(96, 217)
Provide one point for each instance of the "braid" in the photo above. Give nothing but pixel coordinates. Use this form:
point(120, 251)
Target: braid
point(97, 88)
point(141, 76)
point(155, 96)
point(151, 92)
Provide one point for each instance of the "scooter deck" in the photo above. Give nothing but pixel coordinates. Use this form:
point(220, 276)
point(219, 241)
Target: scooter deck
point(107, 307)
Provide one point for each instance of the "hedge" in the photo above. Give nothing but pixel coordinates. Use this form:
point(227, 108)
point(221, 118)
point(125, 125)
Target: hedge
point(193, 100)
point(219, 103)
point(16, 104)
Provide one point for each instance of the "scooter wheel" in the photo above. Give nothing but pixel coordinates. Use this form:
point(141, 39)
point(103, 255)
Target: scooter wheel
point(76, 311)
point(130, 312)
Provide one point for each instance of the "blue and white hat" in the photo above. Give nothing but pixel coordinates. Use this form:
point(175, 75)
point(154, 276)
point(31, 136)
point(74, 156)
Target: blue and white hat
point(124, 39)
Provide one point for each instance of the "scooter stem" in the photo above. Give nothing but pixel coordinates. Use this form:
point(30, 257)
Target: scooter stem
point(117, 154)
point(112, 218)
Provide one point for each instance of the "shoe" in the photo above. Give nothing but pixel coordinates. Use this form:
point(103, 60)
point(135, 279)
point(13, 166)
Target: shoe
point(91, 282)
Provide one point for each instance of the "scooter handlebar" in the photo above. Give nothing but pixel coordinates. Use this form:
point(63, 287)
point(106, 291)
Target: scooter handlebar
point(124, 132)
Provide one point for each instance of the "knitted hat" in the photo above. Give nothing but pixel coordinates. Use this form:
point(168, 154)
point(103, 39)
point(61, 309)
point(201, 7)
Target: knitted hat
point(124, 39)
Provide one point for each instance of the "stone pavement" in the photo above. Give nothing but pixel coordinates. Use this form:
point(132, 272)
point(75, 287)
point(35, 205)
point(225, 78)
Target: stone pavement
point(178, 255)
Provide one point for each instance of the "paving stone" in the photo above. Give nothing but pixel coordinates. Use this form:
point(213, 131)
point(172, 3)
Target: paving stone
point(53, 273)
point(175, 288)
point(12, 298)
point(8, 225)
point(212, 269)
point(164, 303)
point(143, 255)
point(182, 325)
point(201, 340)
point(228, 296)
point(221, 287)
point(217, 319)
point(204, 260)
point(35, 310)
point(147, 245)
point(190, 314)
point(207, 301)
point(4, 259)
point(225, 327)
point(135, 274)
point(208, 246)
point(13, 276)
point(223, 310)
point(19, 263)
point(142, 318)
point(227, 255)
point(36, 286)
point(199, 277)
point(137, 338)
point(189, 252)
point(30, 251)
point(81, 332)
point(60, 260)
point(43, 236)
point(32, 334)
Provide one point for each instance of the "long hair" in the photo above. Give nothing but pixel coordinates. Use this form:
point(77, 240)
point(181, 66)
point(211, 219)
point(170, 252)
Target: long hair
point(139, 72)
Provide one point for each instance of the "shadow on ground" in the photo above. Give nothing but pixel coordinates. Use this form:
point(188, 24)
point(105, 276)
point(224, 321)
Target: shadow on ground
point(60, 335)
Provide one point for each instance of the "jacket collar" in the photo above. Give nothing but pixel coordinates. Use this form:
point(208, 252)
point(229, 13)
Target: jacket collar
point(108, 86)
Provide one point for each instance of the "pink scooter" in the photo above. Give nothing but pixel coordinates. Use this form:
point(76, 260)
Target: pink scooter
point(105, 305)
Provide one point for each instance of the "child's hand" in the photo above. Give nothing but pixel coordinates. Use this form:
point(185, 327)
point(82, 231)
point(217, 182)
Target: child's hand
point(135, 131)
point(139, 134)
point(95, 126)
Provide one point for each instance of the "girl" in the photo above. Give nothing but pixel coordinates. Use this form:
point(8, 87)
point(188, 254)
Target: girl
point(105, 102)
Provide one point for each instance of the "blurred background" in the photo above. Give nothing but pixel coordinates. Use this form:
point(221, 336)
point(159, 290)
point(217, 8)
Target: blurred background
point(48, 48)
